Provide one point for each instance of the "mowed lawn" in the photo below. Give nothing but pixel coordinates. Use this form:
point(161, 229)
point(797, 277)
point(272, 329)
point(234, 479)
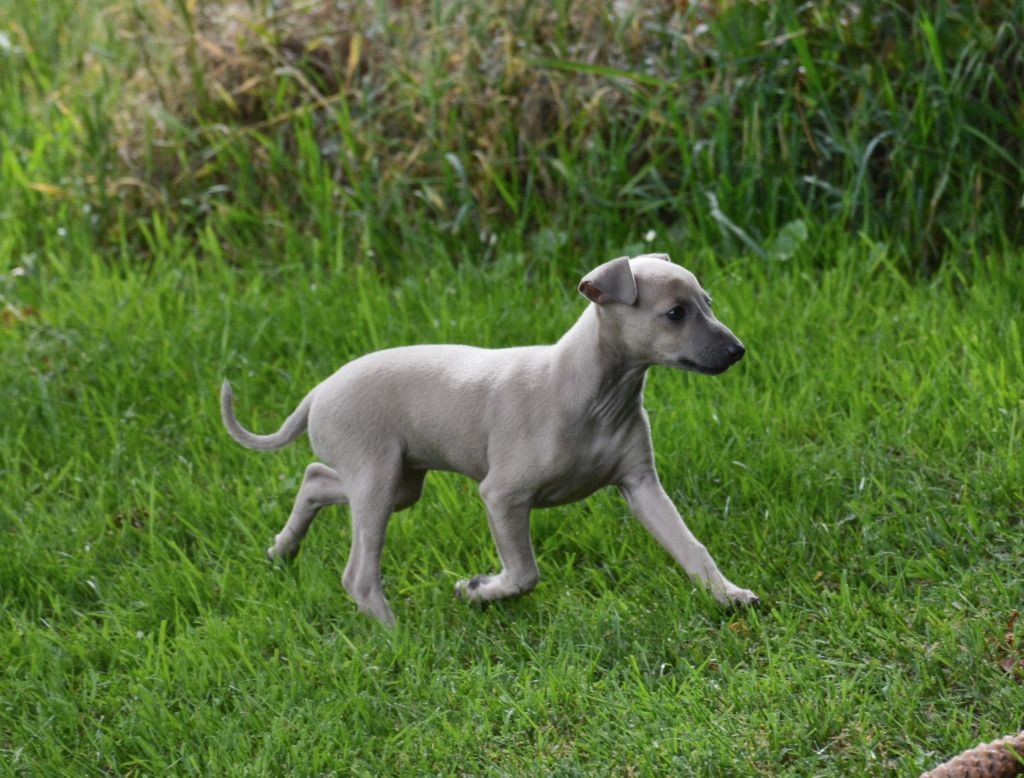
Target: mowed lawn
point(861, 469)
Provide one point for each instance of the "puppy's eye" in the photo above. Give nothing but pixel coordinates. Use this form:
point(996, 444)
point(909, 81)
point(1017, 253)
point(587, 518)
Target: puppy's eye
point(677, 313)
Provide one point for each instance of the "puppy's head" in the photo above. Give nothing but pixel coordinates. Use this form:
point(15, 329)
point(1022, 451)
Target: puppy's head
point(659, 314)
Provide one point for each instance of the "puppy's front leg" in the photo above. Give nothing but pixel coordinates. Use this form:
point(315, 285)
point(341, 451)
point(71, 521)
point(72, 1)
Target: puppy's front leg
point(509, 520)
point(654, 509)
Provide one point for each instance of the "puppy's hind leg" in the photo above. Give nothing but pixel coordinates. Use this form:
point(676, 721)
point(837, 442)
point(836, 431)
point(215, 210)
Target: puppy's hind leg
point(320, 486)
point(410, 488)
point(371, 508)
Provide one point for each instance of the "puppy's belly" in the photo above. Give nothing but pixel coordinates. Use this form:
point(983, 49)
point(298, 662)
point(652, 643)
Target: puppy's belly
point(542, 477)
point(437, 457)
point(442, 440)
point(564, 492)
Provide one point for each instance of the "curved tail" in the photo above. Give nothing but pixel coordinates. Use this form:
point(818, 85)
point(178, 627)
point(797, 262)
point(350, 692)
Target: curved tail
point(293, 426)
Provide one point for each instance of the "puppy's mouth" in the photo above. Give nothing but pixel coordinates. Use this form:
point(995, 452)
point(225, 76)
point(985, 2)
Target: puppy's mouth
point(693, 367)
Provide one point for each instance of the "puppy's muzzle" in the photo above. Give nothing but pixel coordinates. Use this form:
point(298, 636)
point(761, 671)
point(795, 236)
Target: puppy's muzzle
point(727, 356)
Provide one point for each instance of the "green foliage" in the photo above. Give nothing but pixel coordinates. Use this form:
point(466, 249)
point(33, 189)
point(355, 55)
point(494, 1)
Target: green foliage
point(725, 122)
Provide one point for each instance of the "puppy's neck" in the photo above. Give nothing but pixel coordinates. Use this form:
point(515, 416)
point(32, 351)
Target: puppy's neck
point(591, 361)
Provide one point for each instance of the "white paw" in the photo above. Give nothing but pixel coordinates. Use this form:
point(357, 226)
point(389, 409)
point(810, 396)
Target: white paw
point(468, 589)
point(378, 608)
point(734, 595)
point(280, 552)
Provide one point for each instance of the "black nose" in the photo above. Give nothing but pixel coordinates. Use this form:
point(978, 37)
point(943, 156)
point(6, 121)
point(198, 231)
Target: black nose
point(736, 351)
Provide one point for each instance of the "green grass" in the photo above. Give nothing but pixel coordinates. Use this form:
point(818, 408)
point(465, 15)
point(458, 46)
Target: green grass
point(857, 221)
point(861, 469)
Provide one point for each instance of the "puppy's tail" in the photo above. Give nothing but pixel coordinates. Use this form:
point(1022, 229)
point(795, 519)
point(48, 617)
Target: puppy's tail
point(293, 426)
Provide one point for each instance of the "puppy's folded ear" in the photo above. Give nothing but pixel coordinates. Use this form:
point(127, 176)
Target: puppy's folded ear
point(611, 282)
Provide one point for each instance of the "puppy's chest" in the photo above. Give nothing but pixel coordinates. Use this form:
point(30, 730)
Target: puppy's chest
point(578, 466)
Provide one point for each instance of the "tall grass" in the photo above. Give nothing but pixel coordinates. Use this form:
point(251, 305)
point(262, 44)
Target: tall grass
point(752, 127)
